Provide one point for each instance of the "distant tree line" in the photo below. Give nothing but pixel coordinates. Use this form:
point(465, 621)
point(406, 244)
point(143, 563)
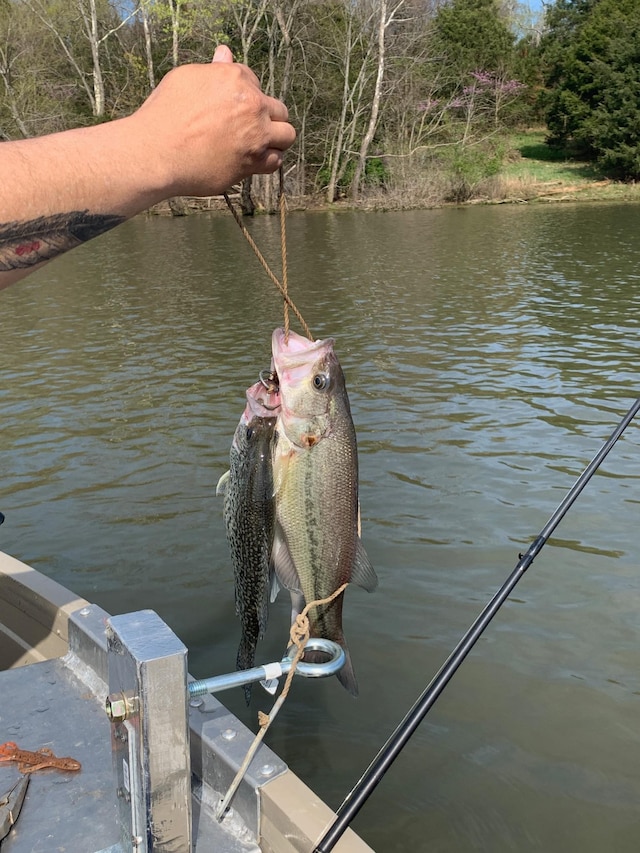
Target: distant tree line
point(409, 98)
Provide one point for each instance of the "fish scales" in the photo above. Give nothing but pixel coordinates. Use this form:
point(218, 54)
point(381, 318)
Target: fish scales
point(249, 515)
point(315, 508)
point(317, 547)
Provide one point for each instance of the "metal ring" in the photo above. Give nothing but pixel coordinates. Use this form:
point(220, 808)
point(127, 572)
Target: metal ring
point(320, 670)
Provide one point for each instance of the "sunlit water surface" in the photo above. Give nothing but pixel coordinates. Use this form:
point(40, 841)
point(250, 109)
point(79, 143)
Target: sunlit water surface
point(488, 354)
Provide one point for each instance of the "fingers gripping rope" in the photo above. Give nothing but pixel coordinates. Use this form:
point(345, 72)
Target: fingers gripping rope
point(299, 636)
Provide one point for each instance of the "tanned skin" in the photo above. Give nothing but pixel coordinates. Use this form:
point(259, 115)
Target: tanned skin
point(204, 128)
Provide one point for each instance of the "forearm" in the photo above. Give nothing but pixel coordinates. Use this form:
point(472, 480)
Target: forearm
point(61, 190)
point(203, 128)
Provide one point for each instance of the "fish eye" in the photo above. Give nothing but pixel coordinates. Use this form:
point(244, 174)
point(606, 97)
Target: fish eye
point(249, 432)
point(321, 381)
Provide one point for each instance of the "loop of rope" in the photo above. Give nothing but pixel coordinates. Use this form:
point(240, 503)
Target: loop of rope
point(267, 269)
point(299, 636)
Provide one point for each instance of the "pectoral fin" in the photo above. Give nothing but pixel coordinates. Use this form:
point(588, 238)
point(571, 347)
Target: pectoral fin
point(275, 587)
point(222, 483)
point(284, 574)
point(283, 565)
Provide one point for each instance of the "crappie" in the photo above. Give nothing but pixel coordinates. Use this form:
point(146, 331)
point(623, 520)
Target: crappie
point(249, 516)
point(317, 546)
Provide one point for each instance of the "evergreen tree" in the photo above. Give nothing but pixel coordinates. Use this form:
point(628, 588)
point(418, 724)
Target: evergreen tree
point(592, 73)
point(473, 35)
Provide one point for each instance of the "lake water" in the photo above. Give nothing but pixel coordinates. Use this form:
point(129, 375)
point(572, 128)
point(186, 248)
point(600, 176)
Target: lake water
point(488, 353)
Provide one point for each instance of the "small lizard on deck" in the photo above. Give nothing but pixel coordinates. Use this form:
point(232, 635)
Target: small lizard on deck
point(28, 760)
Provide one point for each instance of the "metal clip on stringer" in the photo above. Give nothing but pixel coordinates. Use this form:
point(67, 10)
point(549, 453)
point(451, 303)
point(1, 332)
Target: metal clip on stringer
point(270, 671)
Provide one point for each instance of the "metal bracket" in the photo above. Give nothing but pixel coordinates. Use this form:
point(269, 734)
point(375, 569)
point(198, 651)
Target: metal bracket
point(147, 706)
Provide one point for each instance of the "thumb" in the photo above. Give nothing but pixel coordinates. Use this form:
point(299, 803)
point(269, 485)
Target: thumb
point(222, 54)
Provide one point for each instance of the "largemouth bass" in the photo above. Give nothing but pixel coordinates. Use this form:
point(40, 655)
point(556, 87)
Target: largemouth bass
point(317, 546)
point(249, 516)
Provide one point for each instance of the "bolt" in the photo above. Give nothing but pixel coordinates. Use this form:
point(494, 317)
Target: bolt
point(116, 707)
point(121, 706)
point(267, 770)
point(229, 734)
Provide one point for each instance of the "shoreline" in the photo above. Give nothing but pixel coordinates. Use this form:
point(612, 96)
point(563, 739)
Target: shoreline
point(548, 192)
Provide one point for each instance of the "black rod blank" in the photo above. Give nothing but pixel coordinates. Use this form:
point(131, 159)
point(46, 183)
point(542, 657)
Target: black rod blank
point(365, 786)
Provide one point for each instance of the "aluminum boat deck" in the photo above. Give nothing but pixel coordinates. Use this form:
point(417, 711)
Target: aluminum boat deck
point(149, 782)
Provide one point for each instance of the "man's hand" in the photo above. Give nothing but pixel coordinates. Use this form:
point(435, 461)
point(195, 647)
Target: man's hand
point(206, 127)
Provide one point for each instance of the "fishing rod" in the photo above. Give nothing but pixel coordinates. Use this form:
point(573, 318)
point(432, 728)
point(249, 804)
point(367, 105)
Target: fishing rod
point(367, 783)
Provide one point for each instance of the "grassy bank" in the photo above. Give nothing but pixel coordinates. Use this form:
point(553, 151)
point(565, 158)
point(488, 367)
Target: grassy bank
point(527, 170)
point(535, 172)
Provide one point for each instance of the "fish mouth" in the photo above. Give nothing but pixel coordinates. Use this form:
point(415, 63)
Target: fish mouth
point(293, 356)
point(295, 347)
point(274, 408)
point(262, 402)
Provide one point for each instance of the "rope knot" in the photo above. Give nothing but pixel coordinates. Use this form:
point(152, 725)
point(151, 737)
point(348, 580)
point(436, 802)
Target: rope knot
point(299, 633)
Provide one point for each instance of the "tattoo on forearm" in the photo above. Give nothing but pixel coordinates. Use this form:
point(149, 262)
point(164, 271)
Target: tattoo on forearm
point(24, 244)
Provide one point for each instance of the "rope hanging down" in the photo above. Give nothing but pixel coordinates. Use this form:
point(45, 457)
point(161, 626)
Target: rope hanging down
point(283, 288)
point(298, 636)
point(283, 252)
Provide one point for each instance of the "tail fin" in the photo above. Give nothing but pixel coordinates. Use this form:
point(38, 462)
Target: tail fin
point(346, 676)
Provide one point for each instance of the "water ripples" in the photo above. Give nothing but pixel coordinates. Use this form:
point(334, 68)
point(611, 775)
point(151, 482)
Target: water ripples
point(488, 355)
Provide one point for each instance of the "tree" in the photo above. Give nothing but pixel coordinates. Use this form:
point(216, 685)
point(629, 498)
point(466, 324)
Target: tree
point(592, 56)
point(386, 17)
point(37, 93)
point(348, 62)
point(82, 24)
point(11, 51)
point(475, 47)
point(473, 35)
point(144, 12)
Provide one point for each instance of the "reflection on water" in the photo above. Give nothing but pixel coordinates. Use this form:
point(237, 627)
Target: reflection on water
point(488, 352)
